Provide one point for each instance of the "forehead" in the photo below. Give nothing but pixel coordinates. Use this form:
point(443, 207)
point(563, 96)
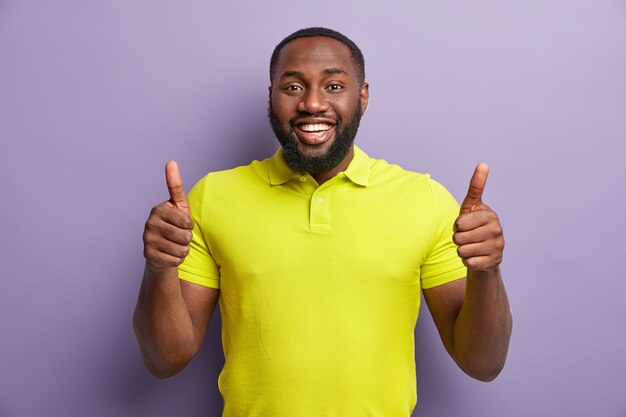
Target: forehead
point(314, 54)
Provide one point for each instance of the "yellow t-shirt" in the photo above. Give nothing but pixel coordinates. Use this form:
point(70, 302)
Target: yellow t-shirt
point(320, 285)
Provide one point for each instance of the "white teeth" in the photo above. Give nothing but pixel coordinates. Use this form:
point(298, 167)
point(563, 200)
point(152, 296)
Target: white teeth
point(315, 127)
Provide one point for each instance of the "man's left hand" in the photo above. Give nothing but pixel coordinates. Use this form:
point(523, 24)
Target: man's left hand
point(478, 232)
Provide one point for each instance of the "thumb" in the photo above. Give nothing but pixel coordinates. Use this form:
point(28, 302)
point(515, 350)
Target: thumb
point(175, 186)
point(474, 195)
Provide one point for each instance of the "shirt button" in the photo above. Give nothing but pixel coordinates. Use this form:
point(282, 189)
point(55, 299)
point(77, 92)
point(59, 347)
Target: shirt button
point(303, 179)
point(320, 200)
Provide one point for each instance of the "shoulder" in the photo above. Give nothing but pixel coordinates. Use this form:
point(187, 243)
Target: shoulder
point(239, 176)
point(394, 180)
point(385, 174)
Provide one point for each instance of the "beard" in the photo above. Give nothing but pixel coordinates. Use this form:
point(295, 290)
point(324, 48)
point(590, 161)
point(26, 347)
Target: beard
point(316, 164)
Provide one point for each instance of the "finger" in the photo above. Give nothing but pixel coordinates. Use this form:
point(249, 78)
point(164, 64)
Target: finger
point(472, 250)
point(165, 247)
point(480, 217)
point(171, 233)
point(175, 186)
point(474, 195)
point(480, 234)
point(168, 213)
point(157, 246)
point(161, 259)
point(482, 263)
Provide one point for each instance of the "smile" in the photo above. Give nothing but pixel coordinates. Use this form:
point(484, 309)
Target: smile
point(318, 127)
point(314, 133)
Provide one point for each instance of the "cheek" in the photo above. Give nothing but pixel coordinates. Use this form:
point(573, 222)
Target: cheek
point(349, 108)
point(282, 108)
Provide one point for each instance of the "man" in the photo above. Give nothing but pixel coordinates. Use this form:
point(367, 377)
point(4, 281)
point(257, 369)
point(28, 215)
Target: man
point(318, 256)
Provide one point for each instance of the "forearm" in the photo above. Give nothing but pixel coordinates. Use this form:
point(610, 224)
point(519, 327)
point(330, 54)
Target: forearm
point(483, 327)
point(162, 323)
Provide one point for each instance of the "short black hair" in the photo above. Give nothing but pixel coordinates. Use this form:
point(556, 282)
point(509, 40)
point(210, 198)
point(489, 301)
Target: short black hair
point(355, 52)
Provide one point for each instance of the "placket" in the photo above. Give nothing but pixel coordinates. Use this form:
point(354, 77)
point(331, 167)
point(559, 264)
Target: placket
point(319, 201)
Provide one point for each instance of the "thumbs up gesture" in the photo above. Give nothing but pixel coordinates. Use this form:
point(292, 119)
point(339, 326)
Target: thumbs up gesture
point(168, 229)
point(478, 232)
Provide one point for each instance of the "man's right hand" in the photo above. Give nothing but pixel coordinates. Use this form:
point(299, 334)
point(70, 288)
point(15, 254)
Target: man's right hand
point(168, 229)
point(172, 315)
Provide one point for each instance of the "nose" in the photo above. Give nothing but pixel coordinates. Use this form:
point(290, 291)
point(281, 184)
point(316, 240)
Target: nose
point(313, 102)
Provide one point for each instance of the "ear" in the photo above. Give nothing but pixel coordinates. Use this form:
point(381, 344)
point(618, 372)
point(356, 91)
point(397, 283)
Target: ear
point(269, 95)
point(365, 95)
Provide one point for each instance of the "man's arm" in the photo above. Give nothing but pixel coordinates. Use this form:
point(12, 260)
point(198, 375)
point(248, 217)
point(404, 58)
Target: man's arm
point(472, 315)
point(171, 316)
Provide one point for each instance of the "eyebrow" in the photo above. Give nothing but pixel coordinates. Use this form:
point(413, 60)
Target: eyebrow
point(299, 74)
point(334, 71)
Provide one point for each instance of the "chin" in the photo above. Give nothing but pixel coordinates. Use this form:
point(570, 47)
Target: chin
point(315, 151)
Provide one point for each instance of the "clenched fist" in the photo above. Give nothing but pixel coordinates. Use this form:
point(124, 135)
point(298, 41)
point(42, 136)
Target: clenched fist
point(478, 232)
point(168, 229)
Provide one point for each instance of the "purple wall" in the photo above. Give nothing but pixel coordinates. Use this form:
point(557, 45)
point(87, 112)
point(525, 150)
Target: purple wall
point(94, 98)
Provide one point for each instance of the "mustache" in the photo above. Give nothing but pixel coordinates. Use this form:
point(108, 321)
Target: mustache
point(294, 121)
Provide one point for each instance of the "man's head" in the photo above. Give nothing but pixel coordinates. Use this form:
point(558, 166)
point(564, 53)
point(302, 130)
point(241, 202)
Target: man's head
point(317, 97)
point(355, 52)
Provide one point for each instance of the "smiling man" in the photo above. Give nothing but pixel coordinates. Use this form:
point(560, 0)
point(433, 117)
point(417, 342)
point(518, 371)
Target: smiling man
point(316, 118)
point(318, 257)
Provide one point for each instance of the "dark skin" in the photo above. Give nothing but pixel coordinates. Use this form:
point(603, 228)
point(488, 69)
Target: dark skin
point(472, 315)
point(172, 315)
point(316, 76)
point(315, 81)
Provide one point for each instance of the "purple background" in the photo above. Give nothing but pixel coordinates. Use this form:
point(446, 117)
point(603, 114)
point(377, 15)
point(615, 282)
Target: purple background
point(96, 96)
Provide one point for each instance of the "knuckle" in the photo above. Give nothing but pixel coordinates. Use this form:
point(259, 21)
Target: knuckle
point(187, 222)
point(150, 222)
point(156, 210)
point(472, 263)
point(150, 254)
point(149, 237)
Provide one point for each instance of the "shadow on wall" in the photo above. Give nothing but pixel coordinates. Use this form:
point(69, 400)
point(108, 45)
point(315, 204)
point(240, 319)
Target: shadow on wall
point(131, 389)
point(437, 375)
point(4, 411)
point(228, 143)
point(135, 392)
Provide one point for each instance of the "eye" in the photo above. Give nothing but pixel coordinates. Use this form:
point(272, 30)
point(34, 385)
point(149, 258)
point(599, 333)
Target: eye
point(293, 87)
point(335, 87)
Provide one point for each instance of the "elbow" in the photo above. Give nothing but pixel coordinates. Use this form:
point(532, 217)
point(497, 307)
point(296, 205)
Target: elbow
point(486, 361)
point(484, 374)
point(164, 364)
point(484, 369)
point(163, 369)
point(483, 366)
point(162, 358)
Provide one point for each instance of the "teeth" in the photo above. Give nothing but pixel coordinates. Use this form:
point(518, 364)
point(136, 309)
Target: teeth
point(315, 127)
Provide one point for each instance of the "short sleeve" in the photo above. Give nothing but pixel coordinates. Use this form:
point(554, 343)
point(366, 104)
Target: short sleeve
point(442, 265)
point(199, 267)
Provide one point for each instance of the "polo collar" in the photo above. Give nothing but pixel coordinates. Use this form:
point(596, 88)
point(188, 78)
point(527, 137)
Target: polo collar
point(358, 171)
